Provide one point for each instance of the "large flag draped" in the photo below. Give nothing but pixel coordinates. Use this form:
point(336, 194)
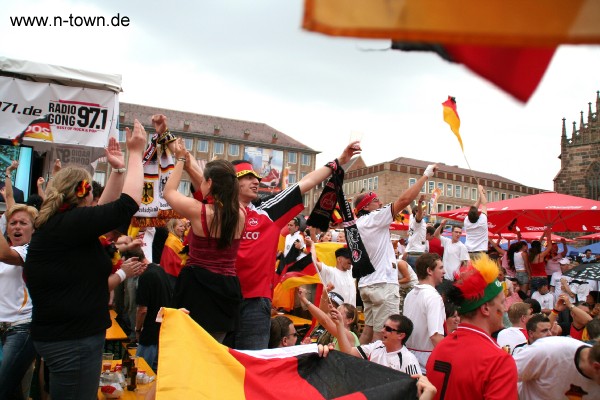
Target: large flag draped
point(451, 117)
point(194, 366)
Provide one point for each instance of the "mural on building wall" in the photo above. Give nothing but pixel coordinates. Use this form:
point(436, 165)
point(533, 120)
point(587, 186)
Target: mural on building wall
point(269, 164)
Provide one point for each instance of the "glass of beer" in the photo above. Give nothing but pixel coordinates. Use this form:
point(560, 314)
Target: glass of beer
point(107, 359)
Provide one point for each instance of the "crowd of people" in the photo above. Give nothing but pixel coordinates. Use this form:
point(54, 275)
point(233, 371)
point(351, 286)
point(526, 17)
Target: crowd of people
point(466, 320)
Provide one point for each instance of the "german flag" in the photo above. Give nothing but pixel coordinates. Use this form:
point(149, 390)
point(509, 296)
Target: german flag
point(301, 272)
point(38, 129)
point(451, 117)
point(194, 366)
point(172, 260)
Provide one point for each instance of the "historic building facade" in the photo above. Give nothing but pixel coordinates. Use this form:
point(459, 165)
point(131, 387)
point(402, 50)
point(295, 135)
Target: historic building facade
point(579, 173)
point(278, 157)
point(457, 187)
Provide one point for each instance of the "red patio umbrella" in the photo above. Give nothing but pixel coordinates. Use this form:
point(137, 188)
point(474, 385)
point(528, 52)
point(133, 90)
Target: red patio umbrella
point(560, 212)
point(592, 236)
point(397, 226)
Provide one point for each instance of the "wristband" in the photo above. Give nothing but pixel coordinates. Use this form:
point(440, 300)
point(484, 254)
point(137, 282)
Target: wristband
point(333, 164)
point(428, 171)
point(121, 274)
point(119, 170)
point(182, 159)
point(555, 311)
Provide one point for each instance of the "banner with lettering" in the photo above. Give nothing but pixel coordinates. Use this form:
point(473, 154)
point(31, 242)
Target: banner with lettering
point(72, 116)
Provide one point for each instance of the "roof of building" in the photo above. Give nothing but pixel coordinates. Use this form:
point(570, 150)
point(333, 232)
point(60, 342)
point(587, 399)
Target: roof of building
point(453, 169)
point(207, 124)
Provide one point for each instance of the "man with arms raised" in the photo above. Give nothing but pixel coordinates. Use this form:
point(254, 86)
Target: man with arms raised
point(425, 307)
point(380, 291)
point(468, 363)
point(255, 263)
point(476, 225)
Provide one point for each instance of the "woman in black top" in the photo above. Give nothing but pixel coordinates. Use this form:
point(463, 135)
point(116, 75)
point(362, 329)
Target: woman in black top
point(67, 269)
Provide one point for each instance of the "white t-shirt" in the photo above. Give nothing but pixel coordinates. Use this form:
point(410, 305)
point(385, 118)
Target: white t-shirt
point(289, 242)
point(512, 337)
point(401, 360)
point(413, 277)
point(417, 232)
point(343, 282)
point(555, 281)
point(547, 370)
point(545, 300)
point(519, 262)
point(454, 254)
point(477, 233)
point(374, 230)
point(15, 303)
point(425, 308)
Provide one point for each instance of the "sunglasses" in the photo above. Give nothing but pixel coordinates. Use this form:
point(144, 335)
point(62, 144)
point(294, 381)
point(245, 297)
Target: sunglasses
point(390, 329)
point(295, 334)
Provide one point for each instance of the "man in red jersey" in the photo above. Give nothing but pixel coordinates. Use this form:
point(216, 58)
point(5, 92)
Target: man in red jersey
point(468, 363)
point(255, 264)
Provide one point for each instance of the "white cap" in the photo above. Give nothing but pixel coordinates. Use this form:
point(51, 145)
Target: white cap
point(565, 261)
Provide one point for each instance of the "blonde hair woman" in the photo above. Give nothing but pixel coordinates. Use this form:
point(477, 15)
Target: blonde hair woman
point(67, 270)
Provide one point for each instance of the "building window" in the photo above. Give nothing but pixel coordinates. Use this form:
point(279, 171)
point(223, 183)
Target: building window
point(503, 196)
point(219, 148)
point(352, 186)
point(303, 174)
point(466, 192)
point(364, 185)
point(234, 149)
point(449, 188)
point(510, 196)
point(184, 187)
point(306, 200)
point(456, 207)
point(411, 181)
point(473, 194)
point(370, 183)
point(305, 159)
point(448, 207)
point(423, 189)
point(431, 186)
point(440, 208)
point(488, 194)
point(292, 178)
point(188, 143)
point(122, 135)
point(457, 191)
point(593, 181)
point(440, 186)
point(292, 157)
point(376, 183)
point(496, 196)
point(100, 177)
point(202, 146)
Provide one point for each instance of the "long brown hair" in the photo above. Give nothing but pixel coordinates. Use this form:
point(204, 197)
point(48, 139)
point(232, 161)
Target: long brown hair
point(225, 192)
point(62, 192)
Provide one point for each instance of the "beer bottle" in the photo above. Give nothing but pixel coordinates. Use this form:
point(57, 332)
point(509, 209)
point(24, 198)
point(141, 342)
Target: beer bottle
point(126, 364)
point(132, 378)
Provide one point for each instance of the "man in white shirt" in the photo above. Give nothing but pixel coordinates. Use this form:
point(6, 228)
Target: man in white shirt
point(560, 283)
point(424, 306)
point(389, 351)
point(476, 225)
point(558, 367)
point(417, 232)
point(518, 314)
point(379, 290)
point(294, 239)
point(544, 297)
point(339, 276)
point(455, 252)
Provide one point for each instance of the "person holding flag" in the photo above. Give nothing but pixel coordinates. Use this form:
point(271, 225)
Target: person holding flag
point(379, 290)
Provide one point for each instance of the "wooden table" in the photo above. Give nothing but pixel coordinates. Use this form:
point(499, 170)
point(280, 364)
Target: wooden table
point(141, 388)
point(114, 336)
point(297, 321)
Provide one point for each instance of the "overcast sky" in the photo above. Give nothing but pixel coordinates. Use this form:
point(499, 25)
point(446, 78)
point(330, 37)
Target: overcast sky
point(251, 60)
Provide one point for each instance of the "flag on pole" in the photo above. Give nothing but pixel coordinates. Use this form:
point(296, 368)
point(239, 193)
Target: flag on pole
point(451, 117)
point(195, 366)
point(301, 272)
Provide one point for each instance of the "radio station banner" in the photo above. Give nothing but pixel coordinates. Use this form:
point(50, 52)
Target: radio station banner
point(47, 114)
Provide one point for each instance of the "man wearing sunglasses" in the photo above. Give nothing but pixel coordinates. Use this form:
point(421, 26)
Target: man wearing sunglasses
point(390, 351)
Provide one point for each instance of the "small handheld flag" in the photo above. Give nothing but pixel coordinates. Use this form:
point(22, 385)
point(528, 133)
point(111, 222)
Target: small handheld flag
point(451, 117)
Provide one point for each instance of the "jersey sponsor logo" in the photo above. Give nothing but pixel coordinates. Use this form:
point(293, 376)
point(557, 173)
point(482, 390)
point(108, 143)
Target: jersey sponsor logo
point(251, 235)
point(252, 221)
